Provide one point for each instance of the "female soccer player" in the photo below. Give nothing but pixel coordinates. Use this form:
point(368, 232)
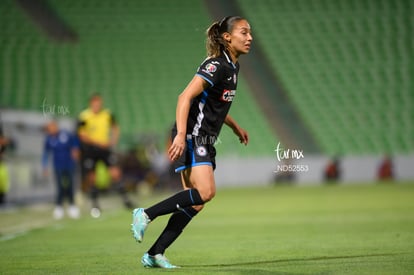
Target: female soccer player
point(202, 108)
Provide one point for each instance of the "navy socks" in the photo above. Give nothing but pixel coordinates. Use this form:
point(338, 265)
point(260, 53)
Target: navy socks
point(178, 201)
point(177, 222)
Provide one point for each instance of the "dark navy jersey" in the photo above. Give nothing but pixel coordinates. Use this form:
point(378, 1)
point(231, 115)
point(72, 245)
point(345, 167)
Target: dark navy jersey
point(209, 109)
point(60, 145)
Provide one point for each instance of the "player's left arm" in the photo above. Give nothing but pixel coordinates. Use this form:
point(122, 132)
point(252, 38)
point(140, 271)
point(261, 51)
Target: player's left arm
point(240, 132)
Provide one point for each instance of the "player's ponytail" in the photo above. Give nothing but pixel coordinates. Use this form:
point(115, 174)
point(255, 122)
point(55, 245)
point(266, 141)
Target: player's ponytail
point(215, 43)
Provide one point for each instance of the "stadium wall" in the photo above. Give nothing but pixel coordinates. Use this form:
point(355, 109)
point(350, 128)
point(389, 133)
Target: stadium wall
point(28, 185)
point(235, 171)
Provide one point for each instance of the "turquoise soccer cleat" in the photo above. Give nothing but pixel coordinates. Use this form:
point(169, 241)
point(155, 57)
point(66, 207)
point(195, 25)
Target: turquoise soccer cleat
point(140, 222)
point(148, 261)
point(158, 260)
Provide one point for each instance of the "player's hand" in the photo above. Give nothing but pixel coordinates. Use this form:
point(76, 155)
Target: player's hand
point(177, 147)
point(45, 173)
point(75, 153)
point(243, 135)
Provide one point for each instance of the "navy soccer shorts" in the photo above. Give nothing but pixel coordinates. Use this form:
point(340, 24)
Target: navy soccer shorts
point(198, 151)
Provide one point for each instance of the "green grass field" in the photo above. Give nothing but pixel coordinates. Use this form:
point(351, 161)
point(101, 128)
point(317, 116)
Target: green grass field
point(364, 229)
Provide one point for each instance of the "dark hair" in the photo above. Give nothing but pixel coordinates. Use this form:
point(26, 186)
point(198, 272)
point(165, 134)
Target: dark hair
point(94, 96)
point(215, 43)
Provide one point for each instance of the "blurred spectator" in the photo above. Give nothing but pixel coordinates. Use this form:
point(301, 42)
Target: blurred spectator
point(332, 171)
point(385, 169)
point(98, 132)
point(4, 178)
point(64, 147)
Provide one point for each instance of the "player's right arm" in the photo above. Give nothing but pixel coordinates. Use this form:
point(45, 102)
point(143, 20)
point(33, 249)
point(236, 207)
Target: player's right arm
point(196, 86)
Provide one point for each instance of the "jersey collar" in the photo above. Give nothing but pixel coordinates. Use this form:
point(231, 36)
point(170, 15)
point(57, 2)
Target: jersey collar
point(229, 59)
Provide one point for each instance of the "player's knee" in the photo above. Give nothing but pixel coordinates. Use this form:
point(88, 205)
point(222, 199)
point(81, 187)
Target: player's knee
point(208, 194)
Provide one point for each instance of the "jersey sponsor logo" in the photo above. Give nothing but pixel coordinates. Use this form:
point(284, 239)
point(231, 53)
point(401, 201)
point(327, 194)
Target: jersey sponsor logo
point(201, 151)
point(228, 95)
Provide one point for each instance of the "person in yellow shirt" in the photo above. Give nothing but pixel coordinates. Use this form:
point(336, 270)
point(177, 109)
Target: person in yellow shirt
point(98, 133)
point(4, 175)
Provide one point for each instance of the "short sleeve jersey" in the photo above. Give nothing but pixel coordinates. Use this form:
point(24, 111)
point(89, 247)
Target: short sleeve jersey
point(96, 126)
point(209, 109)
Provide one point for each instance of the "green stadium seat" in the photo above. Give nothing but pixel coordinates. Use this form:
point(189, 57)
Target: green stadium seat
point(344, 66)
point(138, 54)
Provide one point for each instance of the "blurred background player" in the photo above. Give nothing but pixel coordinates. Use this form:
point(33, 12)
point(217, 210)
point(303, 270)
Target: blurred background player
point(99, 133)
point(4, 180)
point(332, 171)
point(386, 169)
point(64, 146)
